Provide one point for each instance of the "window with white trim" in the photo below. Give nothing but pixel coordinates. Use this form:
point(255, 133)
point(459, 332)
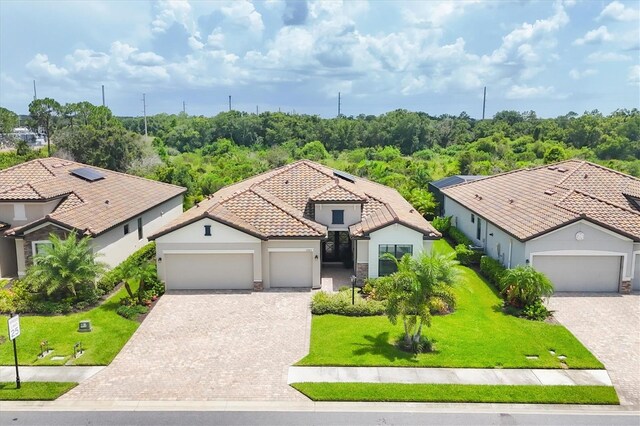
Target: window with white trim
point(38, 246)
point(388, 266)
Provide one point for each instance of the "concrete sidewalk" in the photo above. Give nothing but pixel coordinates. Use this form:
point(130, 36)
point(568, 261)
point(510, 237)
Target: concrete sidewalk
point(49, 374)
point(461, 376)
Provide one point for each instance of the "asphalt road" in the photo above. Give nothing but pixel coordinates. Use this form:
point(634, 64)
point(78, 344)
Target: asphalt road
point(162, 418)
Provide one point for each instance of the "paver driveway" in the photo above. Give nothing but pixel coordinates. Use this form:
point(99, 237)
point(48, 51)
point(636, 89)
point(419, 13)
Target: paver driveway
point(209, 346)
point(608, 325)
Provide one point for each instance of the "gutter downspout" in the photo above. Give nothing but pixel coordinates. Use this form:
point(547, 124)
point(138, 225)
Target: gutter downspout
point(510, 251)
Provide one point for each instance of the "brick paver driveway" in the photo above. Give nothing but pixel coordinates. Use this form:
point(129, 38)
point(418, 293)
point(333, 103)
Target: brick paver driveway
point(209, 346)
point(607, 324)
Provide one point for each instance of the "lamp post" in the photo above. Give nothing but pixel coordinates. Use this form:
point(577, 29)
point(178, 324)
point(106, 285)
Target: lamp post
point(353, 289)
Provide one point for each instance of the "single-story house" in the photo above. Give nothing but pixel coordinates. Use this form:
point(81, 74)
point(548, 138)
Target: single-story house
point(277, 229)
point(437, 186)
point(55, 196)
point(575, 221)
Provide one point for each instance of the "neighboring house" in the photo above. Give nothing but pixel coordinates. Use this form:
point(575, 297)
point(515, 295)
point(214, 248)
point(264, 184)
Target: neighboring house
point(437, 186)
point(55, 196)
point(575, 221)
point(278, 228)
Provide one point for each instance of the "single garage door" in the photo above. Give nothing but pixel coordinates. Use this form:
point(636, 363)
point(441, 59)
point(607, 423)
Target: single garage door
point(636, 274)
point(291, 269)
point(581, 273)
point(232, 271)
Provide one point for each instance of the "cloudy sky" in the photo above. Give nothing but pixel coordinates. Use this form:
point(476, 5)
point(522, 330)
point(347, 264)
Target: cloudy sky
point(434, 56)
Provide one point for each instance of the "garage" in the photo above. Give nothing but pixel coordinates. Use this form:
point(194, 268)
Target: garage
point(636, 273)
point(581, 273)
point(209, 271)
point(291, 268)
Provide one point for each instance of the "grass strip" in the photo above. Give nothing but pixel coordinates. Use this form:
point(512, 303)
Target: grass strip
point(34, 391)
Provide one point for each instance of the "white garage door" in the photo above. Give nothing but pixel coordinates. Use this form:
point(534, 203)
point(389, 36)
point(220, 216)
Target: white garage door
point(291, 269)
point(581, 273)
point(636, 274)
point(233, 271)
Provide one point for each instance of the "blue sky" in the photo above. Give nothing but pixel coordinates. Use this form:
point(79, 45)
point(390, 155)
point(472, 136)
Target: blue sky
point(434, 56)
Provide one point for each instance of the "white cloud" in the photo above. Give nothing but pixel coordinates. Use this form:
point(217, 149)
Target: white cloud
point(434, 13)
point(634, 75)
point(596, 36)
point(244, 14)
point(170, 12)
point(529, 92)
point(41, 67)
point(600, 56)
point(577, 74)
point(619, 12)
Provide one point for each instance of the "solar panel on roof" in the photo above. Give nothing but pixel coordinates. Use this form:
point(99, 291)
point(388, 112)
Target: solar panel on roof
point(87, 173)
point(345, 176)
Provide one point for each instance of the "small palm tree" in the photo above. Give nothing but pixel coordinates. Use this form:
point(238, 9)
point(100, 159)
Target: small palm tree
point(523, 286)
point(138, 275)
point(410, 289)
point(64, 266)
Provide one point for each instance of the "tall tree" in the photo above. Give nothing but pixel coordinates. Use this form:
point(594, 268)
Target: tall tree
point(44, 112)
point(8, 120)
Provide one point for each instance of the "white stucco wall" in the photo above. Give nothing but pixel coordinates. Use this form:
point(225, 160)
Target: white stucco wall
point(362, 251)
point(223, 238)
point(352, 214)
point(22, 269)
point(8, 263)
point(597, 241)
point(462, 220)
point(311, 246)
point(114, 246)
point(636, 267)
point(33, 210)
point(392, 234)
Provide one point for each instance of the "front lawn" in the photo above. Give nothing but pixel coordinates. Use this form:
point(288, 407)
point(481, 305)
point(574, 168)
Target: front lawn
point(110, 333)
point(458, 393)
point(478, 334)
point(34, 391)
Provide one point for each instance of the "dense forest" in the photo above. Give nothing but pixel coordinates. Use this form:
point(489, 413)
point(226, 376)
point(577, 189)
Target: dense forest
point(401, 149)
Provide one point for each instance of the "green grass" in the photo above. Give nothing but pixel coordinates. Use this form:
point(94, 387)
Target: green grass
point(458, 393)
point(110, 333)
point(34, 391)
point(478, 334)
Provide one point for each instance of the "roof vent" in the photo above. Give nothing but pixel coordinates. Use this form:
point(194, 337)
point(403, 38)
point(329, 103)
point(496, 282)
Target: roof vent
point(562, 169)
point(286, 181)
point(552, 167)
point(106, 202)
point(510, 200)
point(586, 175)
point(550, 192)
point(87, 174)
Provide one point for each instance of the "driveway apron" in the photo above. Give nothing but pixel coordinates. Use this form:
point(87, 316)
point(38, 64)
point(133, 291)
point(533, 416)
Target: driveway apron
point(608, 325)
point(209, 346)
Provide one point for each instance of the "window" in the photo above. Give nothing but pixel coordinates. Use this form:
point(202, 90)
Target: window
point(140, 230)
point(337, 217)
point(387, 266)
point(473, 218)
point(38, 246)
point(19, 212)
point(126, 229)
point(478, 229)
point(207, 230)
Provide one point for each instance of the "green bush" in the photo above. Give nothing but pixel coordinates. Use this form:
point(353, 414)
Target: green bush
point(536, 311)
point(340, 304)
point(466, 256)
point(115, 276)
point(131, 311)
point(458, 237)
point(442, 224)
point(492, 271)
point(523, 286)
point(371, 291)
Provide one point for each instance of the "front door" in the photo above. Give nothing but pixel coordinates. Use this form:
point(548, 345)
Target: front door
point(337, 247)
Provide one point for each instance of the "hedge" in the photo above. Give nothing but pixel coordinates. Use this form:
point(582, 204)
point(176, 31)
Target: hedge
point(458, 236)
point(340, 304)
point(492, 270)
point(115, 277)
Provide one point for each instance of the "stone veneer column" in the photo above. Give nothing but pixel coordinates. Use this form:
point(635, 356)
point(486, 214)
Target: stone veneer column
point(625, 287)
point(362, 273)
point(258, 286)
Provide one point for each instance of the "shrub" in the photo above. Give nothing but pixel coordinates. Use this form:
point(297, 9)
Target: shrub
point(131, 311)
point(523, 286)
point(458, 237)
point(115, 276)
point(492, 270)
point(466, 256)
point(340, 304)
point(7, 301)
point(370, 290)
point(442, 224)
point(438, 306)
point(536, 311)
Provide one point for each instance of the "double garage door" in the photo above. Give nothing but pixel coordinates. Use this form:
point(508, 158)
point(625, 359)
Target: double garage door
point(581, 273)
point(234, 271)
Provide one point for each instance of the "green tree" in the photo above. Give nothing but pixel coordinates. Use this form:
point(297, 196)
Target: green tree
point(44, 112)
point(523, 286)
point(64, 267)
point(554, 154)
point(8, 120)
point(314, 150)
point(138, 275)
point(410, 290)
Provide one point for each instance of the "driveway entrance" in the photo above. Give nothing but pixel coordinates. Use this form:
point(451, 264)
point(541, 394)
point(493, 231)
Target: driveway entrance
point(209, 346)
point(607, 324)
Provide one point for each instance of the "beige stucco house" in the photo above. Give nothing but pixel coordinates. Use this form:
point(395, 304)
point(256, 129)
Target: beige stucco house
point(51, 195)
point(278, 229)
point(577, 222)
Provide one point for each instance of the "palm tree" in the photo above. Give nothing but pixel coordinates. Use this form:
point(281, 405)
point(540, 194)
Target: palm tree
point(410, 289)
point(64, 266)
point(138, 275)
point(523, 285)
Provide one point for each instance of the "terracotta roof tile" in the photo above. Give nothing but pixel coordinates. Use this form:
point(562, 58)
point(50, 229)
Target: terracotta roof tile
point(334, 192)
point(529, 202)
point(93, 206)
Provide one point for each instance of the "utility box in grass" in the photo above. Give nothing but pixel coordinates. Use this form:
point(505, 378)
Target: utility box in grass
point(84, 326)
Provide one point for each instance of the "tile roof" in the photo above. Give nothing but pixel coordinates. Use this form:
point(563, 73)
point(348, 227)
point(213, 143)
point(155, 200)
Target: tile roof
point(530, 202)
point(91, 207)
point(277, 204)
